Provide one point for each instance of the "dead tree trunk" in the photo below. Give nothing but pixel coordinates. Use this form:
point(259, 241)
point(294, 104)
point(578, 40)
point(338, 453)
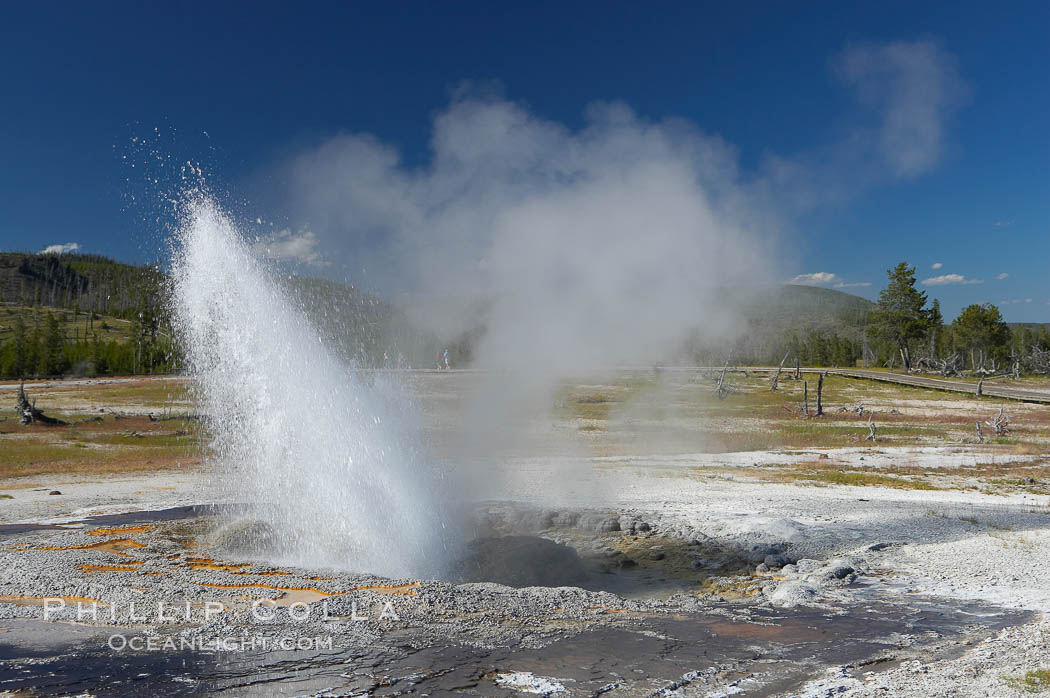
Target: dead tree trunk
point(871, 431)
point(980, 434)
point(820, 390)
point(805, 398)
point(721, 390)
point(1001, 423)
point(776, 377)
point(980, 386)
point(798, 369)
point(30, 414)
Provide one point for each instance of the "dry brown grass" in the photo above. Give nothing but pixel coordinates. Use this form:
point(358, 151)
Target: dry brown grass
point(130, 444)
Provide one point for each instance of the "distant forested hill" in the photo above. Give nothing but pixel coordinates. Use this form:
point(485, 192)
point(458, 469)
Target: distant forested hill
point(820, 326)
point(88, 314)
point(361, 327)
point(81, 314)
point(88, 282)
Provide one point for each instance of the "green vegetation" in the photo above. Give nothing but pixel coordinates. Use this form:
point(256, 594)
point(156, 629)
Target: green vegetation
point(828, 476)
point(980, 329)
point(901, 317)
point(88, 315)
point(81, 315)
point(1036, 681)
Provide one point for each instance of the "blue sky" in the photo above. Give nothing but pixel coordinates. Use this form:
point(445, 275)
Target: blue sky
point(269, 82)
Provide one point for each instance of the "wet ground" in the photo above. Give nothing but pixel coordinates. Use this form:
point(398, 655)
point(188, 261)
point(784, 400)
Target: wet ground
point(467, 639)
point(766, 653)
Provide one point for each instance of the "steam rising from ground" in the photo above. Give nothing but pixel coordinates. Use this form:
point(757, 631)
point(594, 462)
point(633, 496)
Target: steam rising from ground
point(327, 462)
point(598, 247)
point(610, 243)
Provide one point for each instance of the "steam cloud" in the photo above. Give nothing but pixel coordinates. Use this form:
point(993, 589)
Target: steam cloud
point(603, 245)
point(593, 247)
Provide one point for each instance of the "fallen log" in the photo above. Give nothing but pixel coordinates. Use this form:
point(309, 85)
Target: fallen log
point(30, 414)
point(173, 417)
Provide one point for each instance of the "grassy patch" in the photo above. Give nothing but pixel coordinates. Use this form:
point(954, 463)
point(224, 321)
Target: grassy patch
point(1036, 681)
point(828, 476)
point(111, 446)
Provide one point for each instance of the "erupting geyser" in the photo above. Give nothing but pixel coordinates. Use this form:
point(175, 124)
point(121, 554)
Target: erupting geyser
point(316, 454)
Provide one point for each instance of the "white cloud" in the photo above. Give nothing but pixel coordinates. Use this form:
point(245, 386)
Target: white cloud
point(817, 278)
point(60, 249)
point(936, 265)
point(286, 246)
point(1002, 276)
point(947, 279)
point(852, 284)
point(1027, 300)
point(1004, 224)
point(916, 88)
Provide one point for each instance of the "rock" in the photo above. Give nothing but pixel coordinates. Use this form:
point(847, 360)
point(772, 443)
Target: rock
point(759, 551)
point(777, 561)
point(532, 521)
point(628, 562)
point(838, 572)
point(598, 523)
point(793, 593)
point(642, 526)
point(807, 565)
point(655, 554)
point(762, 568)
point(565, 519)
point(243, 536)
point(880, 546)
point(54, 492)
point(824, 456)
point(697, 564)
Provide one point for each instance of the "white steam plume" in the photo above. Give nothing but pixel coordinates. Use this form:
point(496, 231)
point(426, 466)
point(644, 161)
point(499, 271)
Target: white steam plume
point(596, 247)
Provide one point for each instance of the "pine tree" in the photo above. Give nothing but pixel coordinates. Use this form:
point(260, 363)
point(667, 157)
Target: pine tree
point(19, 367)
point(900, 317)
point(54, 347)
point(935, 322)
point(981, 329)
